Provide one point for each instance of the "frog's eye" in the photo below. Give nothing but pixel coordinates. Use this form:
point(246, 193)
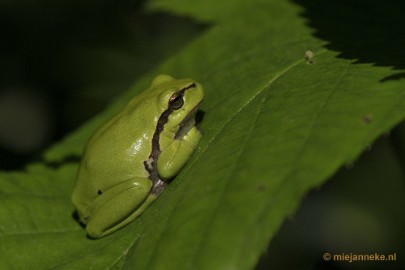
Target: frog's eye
point(176, 101)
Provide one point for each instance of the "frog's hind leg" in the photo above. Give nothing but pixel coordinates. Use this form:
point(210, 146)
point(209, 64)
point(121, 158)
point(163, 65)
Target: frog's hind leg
point(118, 206)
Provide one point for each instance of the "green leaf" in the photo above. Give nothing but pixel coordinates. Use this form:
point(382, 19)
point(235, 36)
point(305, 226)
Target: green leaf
point(274, 127)
point(360, 209)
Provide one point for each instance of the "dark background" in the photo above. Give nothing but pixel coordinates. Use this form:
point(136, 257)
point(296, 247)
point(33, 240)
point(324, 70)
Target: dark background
point(64, 61)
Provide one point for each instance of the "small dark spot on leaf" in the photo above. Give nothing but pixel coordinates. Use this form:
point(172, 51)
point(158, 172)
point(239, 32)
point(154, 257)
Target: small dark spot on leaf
point(368, 118)
point(99, 192)
point(261, 187)
point(349, 165)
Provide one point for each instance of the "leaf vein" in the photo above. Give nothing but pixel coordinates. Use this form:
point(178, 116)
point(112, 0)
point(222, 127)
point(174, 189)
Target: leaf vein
point(285, 179)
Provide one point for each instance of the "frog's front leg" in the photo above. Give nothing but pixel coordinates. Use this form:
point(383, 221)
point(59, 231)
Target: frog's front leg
point(117, 206)
point(177, 153)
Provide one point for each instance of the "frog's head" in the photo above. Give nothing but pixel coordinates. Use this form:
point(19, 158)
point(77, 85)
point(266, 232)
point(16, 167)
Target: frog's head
point(180, 100)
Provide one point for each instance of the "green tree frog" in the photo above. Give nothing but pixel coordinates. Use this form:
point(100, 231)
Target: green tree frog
point(129, 160)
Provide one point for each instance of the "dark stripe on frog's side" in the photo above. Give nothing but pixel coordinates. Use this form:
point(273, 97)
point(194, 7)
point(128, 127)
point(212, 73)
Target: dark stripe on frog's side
point(151, 164)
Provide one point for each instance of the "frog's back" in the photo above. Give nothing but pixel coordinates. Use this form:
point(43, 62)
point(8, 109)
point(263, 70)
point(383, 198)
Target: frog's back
point(115, 153)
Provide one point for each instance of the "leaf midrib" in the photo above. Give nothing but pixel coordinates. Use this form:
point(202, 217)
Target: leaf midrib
point(203, 150)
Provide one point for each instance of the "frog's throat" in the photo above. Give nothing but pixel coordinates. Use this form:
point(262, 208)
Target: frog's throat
point(187, 123)
point(151, 164)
